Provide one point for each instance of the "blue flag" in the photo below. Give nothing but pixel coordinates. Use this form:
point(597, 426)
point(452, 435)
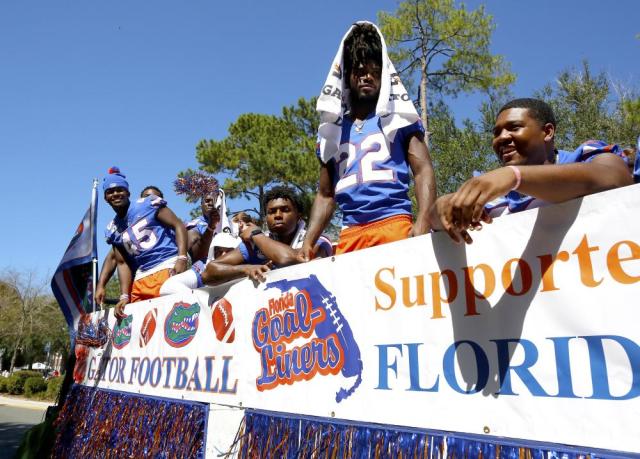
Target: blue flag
point(73, 281)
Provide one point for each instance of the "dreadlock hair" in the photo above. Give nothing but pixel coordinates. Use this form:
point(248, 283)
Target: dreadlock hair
point(154, 188)
point(283, 192)
point(538, 109)
point(362, 45)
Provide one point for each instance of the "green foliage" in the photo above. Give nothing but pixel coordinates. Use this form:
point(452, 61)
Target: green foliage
point(112, 289)
point(15, 385)
point(3, 384)
point(458, 151)
point(34, 385)
point(29, 319)
point(264, 150)
point(444, 47)
point(15, 382)
point(631, 111)
point(586, 107)
point(53, 387)
point(24, 374)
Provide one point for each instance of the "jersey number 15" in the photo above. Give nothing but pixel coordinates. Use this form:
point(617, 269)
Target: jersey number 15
point(138, 237)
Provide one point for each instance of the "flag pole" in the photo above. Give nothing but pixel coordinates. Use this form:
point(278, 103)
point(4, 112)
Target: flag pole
point(94, 255)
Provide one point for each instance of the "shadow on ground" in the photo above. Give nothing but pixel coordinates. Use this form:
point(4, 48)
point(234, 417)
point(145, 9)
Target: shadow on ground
point(10, 437)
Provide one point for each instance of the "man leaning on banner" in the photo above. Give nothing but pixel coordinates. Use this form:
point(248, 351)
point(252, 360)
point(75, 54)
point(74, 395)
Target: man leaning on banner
point(533, 173)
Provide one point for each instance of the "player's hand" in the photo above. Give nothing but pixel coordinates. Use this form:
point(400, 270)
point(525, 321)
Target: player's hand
point(256, 272)
point(467, 204)
point(179, 267)
point(118, 310)
point(440, 216)
point(100, 294)
point(442, 212)
point(421, 226)
point(306, 253)
point(245, 234)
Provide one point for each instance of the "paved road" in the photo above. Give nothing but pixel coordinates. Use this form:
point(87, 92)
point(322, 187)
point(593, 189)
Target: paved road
point(15, 420)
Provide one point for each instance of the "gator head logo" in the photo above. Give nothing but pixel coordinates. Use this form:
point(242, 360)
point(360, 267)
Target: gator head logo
point(122, 332)
point(181, 324)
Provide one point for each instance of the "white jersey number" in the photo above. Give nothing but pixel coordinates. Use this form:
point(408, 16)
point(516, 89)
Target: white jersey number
point(372, 150)
point(138, 238)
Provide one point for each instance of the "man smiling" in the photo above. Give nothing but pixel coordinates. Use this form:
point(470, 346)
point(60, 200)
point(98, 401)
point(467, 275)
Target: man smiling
point(534, 172)
point(148, 235)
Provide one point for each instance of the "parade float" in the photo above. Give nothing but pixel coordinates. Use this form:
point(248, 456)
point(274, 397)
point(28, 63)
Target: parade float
point(525, 343)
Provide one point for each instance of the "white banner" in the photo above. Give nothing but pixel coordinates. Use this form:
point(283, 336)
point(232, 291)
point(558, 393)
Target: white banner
point(531, 332)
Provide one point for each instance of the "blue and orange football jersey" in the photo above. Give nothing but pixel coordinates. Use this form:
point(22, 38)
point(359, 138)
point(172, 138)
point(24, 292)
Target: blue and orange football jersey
point(371, 174)
point(145, 240)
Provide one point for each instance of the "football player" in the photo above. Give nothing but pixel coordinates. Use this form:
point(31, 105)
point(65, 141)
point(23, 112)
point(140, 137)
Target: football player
point(109, 264)
point(369, 177)
point(533, 172)
point(147, 235)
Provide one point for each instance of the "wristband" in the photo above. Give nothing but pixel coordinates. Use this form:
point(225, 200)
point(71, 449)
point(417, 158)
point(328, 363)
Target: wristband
point(124, 296)
point(518, 175)
point(255, 232)
point(182, 257)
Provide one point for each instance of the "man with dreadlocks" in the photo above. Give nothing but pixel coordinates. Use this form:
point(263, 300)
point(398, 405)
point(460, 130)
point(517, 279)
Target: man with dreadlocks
point(370, 135)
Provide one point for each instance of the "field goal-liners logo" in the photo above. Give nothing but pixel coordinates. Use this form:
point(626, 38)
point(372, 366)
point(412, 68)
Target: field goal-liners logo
point(181, 324)
point(301, 333)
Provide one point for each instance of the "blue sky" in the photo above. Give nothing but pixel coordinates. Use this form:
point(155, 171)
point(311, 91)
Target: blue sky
point(87, 85)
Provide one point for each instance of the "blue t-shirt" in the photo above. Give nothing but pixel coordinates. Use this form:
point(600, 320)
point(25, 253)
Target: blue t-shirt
point(144, 239)
point(517, 202)
point(371, 174)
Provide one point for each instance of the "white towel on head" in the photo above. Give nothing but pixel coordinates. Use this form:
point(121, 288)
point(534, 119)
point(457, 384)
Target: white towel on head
point(223, 224)
point(395, 108)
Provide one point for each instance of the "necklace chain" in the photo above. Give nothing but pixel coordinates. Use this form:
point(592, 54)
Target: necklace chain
point(360, 126)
